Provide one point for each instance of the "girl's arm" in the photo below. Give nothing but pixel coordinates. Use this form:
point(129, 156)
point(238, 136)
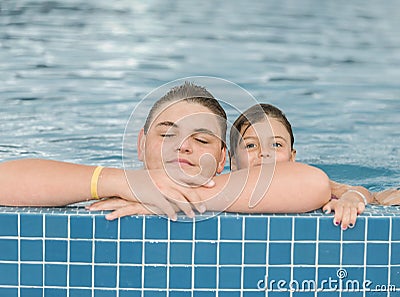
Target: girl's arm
point(347, 202)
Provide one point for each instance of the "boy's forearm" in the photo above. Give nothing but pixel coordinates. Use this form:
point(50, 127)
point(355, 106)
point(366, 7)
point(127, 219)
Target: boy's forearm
point(295, 187)
point(35, 182)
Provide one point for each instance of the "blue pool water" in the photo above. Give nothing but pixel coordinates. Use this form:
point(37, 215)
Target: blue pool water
point(71, 72)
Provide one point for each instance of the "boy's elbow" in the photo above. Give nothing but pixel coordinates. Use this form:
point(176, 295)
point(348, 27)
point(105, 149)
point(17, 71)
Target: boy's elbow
point(321, 184)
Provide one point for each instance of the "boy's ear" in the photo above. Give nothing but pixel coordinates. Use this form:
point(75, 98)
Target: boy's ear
point(141, 144)
point(293, 155)
point(221, 163)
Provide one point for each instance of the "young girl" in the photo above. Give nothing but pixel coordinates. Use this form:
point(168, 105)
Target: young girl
point(262, 134)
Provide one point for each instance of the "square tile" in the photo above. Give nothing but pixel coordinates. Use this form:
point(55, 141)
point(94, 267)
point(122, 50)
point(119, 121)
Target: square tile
point(208, 293)
point(328, 279)
point(105, 276)
point(205, 277)
point(357, 233)
point(31, 225)
point(329, 253)
point(280, 228)
point(304, 253)
point(31, 275)
point(105, 252)
point(255, 253)
point(81, 251)
point(395, 276)
point(8, 225)
point(328, 231)
point(279, 253)
point(130, 293)
point(8, 249)
point(180, 277)
point(105, 229)
point(31, 250)
point(229, 294)
point(395, 253)
point(9, 274)
point(155, 252)
point(155, 293)
point(130, 252)
point(395, 228)
point(31, 292)
point(131, 227)
point(257, 294)
point(305, 228)
point(181, 253)
point(155, 277)
point(205, 253)
point(173, 293)
point(207, 229)
point(378, 276)
point(353, 253)
point(377, 253)
point(256, 228)
point(378, 229)
point(105, 293)
point(56, 226)
point(130, 276)
point(156, 227)
point(80, 292)
point(252, 276)
point(181, 230)
point(9, 292)
point(304, 279)
point(80, 275)
point(230, 277)
point(231, 228)
point(56, 250)
point(55, 275)
point(230, 253)
point(52, 292)
point(81, 227)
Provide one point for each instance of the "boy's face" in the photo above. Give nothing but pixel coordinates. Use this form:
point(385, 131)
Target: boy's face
point(186, 136)
point(261, 145)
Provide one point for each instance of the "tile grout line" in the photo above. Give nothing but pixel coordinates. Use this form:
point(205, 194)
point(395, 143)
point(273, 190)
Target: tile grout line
point(316, 258)
point(193, 244)
point(143, 253)
point(117, 282)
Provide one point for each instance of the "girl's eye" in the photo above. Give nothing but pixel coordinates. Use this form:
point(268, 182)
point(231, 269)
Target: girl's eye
point(276, 145)
point(250, 145)
point(165, 135)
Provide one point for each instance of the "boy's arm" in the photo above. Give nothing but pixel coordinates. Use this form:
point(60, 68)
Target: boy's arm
point(36, 182)
point(294, 188)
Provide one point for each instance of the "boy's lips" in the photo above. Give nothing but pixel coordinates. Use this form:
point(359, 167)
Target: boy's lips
point(181, 161)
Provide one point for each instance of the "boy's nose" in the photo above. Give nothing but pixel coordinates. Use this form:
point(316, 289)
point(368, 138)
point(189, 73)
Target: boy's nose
point(185, 146)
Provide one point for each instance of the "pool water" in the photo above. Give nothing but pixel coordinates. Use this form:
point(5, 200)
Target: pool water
point(72, 72)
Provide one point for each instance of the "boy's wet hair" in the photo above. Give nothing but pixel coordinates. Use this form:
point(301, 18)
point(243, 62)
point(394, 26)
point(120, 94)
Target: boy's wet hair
point(191, 93)
point(255, 114)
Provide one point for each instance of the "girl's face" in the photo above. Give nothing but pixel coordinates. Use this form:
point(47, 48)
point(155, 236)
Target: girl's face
point(261, 145)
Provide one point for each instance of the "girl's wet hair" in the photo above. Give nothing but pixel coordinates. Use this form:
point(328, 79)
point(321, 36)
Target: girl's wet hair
point(256, 114)
point(191, 93)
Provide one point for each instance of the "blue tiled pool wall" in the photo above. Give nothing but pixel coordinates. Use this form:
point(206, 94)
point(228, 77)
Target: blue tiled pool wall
point(70, 252)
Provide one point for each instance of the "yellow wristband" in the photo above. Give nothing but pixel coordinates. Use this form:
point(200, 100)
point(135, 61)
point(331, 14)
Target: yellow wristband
point(94, 181)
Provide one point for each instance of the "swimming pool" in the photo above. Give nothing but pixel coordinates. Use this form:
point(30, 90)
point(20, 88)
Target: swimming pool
point(72, 72)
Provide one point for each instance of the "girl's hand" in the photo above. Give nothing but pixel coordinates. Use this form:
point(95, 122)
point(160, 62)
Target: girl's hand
point(346, 209)
point(388, 197)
